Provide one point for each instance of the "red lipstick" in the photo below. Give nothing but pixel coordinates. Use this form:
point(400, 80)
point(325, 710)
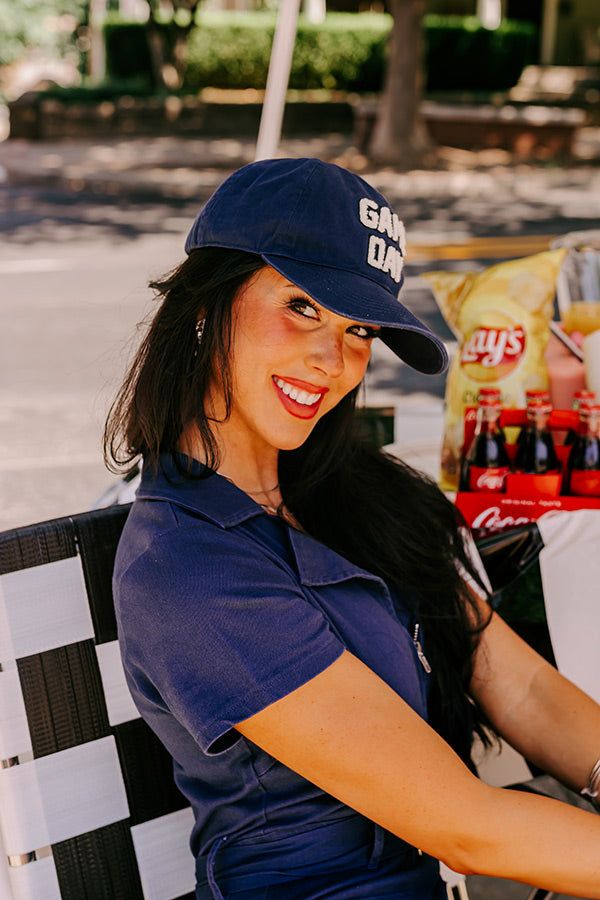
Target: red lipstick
point(299, 410)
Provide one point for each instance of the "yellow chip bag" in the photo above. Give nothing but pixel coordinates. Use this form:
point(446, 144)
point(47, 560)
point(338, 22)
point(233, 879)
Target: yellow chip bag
point(501, 319)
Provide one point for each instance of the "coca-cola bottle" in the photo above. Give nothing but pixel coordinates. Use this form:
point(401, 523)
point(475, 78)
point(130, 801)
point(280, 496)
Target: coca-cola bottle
point(580, 398)
point(485, 465)
point(484, 393)
point(531, 395)
point(489, 393)
point(536, 394)
point(536, 454)
point(582, 477)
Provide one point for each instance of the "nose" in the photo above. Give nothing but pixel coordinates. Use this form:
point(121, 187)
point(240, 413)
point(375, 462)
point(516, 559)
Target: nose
point(326, 353)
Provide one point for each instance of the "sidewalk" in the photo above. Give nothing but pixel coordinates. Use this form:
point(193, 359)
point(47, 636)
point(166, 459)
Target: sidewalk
point(180, 168)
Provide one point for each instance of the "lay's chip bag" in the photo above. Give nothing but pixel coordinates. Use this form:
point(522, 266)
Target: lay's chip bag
point(501, 318)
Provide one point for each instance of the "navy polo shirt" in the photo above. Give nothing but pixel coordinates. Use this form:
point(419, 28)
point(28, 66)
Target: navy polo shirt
point(224, 609)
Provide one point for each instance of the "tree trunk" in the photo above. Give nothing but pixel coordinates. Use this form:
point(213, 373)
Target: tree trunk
point(399, 136)
point(168, 49)
point(157, 55)
point(180, 51)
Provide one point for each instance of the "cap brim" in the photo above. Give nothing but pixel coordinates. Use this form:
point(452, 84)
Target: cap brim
point(355, 297)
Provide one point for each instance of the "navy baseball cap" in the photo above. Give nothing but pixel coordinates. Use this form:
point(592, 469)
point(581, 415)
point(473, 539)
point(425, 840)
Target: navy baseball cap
point(331, 234)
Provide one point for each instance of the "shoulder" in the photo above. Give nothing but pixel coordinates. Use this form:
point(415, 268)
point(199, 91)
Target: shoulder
point(168, 555)
point(163, 531)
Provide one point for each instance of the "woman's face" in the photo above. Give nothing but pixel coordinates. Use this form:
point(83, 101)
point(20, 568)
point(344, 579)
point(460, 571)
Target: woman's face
point(292, 361)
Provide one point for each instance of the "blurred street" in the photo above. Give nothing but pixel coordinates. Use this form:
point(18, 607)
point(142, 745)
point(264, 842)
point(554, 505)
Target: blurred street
point(85, 225)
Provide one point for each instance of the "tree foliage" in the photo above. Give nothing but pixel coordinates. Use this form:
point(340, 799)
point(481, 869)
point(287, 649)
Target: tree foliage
point(45, 25)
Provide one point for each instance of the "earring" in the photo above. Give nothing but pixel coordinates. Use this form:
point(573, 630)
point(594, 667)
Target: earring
point(200, 330)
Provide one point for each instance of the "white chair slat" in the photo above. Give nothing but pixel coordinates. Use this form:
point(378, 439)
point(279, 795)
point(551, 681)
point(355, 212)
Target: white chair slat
point(62, 795)
point(162, 849)
point(119, 703)
point(42, 608)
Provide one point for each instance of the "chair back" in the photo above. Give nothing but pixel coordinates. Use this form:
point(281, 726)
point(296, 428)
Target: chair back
point(88, 805)
point(570, 573)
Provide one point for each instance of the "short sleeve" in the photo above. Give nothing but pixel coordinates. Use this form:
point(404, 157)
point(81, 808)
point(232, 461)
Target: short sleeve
point(220, 627)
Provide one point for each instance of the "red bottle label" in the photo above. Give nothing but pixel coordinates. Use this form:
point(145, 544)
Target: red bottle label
point(489, 480)
point(585, 483)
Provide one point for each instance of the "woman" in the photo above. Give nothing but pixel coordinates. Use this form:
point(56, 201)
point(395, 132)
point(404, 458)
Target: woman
point(293, 618)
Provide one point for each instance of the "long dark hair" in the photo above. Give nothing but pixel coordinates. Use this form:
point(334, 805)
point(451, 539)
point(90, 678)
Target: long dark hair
point(369, 507)
point(168, 380)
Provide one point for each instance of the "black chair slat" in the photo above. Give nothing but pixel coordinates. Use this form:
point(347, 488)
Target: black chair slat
point(145, 761)
point(98, 534)
point(35, 545)
point(64, 699)
point(100, 865)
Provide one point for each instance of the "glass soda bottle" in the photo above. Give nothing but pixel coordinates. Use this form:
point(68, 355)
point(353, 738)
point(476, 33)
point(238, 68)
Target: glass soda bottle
point(531, 395)
point(536, 454)
point(489, 393)
point(484, 393)
point(486, 462)
point(580, 398)
point(582, 477)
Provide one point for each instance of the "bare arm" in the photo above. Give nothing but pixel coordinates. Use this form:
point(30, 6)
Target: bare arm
point(544, 716)
point(351, 734)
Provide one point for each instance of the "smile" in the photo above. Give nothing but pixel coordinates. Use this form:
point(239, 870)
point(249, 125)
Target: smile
point(297, 400)
point(296, 394)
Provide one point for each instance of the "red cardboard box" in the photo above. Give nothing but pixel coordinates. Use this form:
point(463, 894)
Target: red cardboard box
point(527, 497)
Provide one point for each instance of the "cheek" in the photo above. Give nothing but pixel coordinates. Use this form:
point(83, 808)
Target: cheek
point(267, 338)
point(357, 363)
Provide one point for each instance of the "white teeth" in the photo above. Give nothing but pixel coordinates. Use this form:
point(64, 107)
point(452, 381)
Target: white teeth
point(296, 394)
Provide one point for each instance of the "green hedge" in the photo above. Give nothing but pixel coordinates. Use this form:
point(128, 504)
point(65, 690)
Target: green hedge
point(346, 52)
point(127, 51)
point(232, 51)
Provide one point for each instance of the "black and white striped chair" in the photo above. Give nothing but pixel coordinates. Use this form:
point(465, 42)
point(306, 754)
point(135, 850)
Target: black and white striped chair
point(88, 806)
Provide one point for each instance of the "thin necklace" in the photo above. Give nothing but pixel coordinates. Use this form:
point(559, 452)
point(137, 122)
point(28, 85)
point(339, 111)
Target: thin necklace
point(252, 493)
point(269, 491)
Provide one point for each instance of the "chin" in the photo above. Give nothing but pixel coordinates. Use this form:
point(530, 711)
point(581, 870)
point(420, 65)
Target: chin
point(292, 442)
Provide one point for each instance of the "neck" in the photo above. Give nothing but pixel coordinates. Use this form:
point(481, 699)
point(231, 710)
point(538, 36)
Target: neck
point(255, 475)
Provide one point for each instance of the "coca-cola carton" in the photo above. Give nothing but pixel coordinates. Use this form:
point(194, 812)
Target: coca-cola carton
point(526, 496)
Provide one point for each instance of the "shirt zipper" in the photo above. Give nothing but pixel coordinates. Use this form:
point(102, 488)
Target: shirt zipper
point(422, 658)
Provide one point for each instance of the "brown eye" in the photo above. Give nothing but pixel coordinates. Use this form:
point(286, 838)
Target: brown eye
point(304, 307)
point(364, 331)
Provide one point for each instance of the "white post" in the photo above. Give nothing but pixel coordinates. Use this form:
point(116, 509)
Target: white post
point(548, 41)
point(97, 53)
point(271, 119)
point(315, 11)
point(489, 13)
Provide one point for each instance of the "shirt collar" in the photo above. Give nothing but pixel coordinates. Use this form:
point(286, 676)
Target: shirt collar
point(221, 502)
point(205, 492)
point(318, 565)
